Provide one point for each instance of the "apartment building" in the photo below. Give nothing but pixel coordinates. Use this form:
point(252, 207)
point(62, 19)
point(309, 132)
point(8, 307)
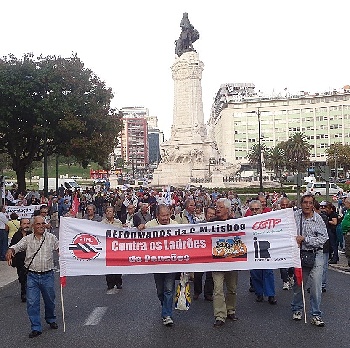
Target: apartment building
point(323, 117)
point(134, 138)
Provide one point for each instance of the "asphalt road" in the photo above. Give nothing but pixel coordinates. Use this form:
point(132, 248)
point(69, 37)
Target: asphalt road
point(131, 318)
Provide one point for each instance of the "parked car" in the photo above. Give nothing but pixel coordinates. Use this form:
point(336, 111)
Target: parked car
point(319, 188)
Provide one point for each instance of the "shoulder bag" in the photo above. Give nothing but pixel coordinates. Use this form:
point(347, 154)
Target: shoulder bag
point(26, 269)
point(307, 257)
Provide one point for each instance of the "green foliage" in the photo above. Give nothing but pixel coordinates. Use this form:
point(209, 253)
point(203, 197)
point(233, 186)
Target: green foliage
point(292, 155)
point(59, 100)
point(338, 155)
point(254, 154)
point(4, 162)
point(297, 153)
point(275, 159)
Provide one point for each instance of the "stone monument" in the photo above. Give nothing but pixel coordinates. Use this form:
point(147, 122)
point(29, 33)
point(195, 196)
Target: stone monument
point(190, 155)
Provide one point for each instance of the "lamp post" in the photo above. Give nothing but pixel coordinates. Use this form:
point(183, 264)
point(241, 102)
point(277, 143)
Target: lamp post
point(46, 177)
point(259, 150)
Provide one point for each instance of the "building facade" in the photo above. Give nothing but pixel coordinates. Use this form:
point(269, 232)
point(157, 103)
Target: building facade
point(155, 138)
point(134, 138)
point(324, 118)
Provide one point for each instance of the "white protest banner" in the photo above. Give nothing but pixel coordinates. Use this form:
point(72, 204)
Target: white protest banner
point(256, 242)
point(26, 211)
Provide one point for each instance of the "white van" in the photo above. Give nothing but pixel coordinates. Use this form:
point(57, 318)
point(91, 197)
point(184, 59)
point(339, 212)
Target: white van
point(319, 188)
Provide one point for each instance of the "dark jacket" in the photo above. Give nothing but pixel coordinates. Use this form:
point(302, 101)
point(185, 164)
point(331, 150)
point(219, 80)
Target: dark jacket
point(18, 259)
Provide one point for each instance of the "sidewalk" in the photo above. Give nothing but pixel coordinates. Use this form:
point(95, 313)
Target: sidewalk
point(8, 274)
point(342, 265)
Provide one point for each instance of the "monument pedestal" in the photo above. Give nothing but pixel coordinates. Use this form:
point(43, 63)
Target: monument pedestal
point(189, 151)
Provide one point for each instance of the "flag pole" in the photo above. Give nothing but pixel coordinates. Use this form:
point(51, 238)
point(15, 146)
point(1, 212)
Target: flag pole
point(304, 306)
point(62, 305)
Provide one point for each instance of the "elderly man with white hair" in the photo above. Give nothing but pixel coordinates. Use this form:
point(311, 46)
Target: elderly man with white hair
point(224, 306)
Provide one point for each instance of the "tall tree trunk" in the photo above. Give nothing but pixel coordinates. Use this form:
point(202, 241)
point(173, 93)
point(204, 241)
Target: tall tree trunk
point(21, 178)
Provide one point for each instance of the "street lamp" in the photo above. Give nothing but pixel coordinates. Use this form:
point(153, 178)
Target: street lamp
point(260, 153)
point(259, 150)
point(46, 176)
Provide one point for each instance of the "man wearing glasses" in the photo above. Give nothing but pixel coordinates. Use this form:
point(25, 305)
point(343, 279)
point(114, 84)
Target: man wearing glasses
point(44, 212)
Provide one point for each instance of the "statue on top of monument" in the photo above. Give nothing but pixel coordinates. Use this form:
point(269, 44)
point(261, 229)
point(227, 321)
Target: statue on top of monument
point(187, 37)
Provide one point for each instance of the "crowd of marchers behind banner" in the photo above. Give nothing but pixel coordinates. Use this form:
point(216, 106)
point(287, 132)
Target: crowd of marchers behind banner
point(323, 229)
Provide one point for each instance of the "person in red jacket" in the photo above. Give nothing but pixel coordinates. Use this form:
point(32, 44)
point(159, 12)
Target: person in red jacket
point(265, 208)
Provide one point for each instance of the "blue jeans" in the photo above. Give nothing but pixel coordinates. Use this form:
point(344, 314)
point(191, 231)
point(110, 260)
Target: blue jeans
point(313, 277)
point(165, 284)
point(263, 281)
point(333, 241)
point(44, 284)
point(325, 269)
point(3, 244)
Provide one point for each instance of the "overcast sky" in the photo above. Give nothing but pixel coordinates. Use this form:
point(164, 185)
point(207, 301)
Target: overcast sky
point(275, 44)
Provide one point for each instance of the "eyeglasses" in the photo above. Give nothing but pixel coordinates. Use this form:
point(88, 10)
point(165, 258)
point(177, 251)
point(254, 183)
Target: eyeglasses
point(254, 209)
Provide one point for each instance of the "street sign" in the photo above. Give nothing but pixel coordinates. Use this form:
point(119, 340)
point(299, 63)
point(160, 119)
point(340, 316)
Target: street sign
point(325, 172)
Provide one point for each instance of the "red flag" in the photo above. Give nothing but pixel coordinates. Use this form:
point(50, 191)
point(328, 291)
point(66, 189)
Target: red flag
point(75, 205)
point(298, 272)
point(63, 281)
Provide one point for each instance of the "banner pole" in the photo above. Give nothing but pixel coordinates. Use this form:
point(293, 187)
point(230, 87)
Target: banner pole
point(62, 305)
point(304, 306)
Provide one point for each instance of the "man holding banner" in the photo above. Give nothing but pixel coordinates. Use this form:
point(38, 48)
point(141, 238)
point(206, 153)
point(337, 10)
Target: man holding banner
point(222, 246)
point(224, 307)
point(263, 280)
point(312, 234)
point(165, 282)
point(113, 280)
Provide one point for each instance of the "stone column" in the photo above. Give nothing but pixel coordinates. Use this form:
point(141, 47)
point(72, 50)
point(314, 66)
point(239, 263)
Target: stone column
point(188, 117)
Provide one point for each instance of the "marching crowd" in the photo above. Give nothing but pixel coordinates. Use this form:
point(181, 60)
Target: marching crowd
point(323, 231)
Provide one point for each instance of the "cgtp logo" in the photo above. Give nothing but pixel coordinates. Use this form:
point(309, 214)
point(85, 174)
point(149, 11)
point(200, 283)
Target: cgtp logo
point(266, 224)
point(85, 247)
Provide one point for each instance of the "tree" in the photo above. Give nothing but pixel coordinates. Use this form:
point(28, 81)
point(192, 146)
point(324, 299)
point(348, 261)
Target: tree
point(4, 162)
point(254, 154)
point(297, 153)
point(338, 155)
point(58, 102)
point(275, 159)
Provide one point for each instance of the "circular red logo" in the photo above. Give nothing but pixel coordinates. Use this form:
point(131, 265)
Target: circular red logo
point(85, 246)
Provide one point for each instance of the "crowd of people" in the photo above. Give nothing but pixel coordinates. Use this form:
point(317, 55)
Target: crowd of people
point(322, 229)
